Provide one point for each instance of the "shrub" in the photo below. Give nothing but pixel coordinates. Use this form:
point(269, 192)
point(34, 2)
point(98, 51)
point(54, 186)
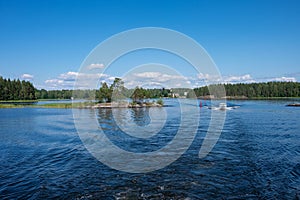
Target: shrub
point(160, 102)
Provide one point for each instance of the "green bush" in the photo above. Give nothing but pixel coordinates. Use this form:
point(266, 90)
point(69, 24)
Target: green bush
point(160, 102)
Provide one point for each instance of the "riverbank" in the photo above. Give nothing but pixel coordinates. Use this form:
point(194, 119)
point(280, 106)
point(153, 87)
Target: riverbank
point(10, 106)
point(16, 103)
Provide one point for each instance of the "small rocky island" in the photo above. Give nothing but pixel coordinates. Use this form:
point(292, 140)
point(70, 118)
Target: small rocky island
point(115, 95)
point(158, 103)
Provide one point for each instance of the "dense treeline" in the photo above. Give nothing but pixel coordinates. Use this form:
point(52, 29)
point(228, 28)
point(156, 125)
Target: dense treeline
point(16, 90)
point(140, 93)
point(65, 94)
point(256, 90)
point(24, 90)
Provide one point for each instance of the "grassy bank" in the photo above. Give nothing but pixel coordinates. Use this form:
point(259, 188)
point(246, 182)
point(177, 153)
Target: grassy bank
point(54, 105)
point(10, 106)
point(66, 105)
point(31, 104)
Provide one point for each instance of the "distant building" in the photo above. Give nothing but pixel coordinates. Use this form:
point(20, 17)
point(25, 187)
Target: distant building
point(175, 95)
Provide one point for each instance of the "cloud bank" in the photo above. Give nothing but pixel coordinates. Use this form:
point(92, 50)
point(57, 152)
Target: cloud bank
point(27, 76)
point(67, 81)
point(150, 79)
point(95, 66)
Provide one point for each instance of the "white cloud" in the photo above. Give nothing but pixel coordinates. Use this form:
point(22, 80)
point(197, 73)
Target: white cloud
point(173, 80)
point(69, 76)
point(57, 84)
point(27, 76)
point(277, 79)
point(148, 75)
point(205, 76)
point(150, 79)
point(248, 79)
point(238, 79)
point(112, 78)
point(80, 80)
point(151, 84)
point(285, 79)
point(95, 66)
point(157, 76)
point(209, 79)
point(155, 79)
point(55, 81)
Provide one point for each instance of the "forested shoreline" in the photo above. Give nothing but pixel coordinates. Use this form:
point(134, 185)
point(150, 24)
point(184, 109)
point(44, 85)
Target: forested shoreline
point(16, 90)
point(24, 90)
point(256, 90)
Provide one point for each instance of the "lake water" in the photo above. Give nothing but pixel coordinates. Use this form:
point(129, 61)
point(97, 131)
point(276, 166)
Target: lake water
point(256, 157)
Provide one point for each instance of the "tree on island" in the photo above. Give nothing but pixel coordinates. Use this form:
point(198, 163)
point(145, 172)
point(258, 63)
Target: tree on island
point(116, 90)
point(138, 95)
point(104, 94)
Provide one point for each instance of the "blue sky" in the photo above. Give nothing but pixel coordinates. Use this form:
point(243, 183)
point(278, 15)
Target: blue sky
point(46, 41)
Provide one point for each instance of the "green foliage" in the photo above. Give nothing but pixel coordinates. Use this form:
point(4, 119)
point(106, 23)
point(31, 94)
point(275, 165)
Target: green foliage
point(16, 90)
point(117, 91)
point(65, 94)
point(106, 93)
point(256, 90)
point(67, 105)
point(160, 102)
point(55, 105)
point(138, 95)
point(149, 93)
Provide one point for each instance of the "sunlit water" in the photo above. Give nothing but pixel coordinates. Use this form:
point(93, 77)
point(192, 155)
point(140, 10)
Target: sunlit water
point(256, 157)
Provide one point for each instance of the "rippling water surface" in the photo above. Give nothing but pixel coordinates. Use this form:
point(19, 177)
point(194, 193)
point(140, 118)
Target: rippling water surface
point(256, 157)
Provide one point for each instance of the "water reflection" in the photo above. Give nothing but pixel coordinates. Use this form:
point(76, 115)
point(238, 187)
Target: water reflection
point(135, 128)
point(140, 122)
point(140, 116)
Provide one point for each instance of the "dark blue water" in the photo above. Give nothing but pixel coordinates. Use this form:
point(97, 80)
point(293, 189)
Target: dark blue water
point(256, 157)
